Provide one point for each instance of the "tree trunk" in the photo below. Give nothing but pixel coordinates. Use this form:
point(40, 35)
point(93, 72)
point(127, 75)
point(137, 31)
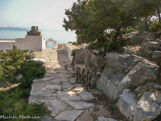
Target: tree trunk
point(116, 36)
point(158, 12)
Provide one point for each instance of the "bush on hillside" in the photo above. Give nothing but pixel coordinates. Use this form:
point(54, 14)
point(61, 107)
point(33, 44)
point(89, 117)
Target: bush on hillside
point(11, 103)
point(16, 65)
point(11, 64)
point(155, 27)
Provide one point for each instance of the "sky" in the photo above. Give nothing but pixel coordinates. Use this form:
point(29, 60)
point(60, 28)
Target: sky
point(47, 14)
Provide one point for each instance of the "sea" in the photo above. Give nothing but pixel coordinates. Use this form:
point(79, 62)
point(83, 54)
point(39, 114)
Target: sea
point(58, 35)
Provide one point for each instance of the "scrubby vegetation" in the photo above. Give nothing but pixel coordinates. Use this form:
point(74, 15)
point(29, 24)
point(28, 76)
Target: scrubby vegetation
point(105, 21)
point(17, 66)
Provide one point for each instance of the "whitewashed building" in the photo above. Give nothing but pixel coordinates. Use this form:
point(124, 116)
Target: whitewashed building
point(32, 41)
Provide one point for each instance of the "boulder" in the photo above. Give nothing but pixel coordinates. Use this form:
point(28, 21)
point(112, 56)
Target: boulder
point(148, 49)
point(137, 39)
point(156, 54)
point(125, 71)
point(143, 106)
point(127, 103)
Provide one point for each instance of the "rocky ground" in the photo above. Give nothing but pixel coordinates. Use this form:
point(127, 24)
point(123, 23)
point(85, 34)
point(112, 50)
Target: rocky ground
point(65, 99)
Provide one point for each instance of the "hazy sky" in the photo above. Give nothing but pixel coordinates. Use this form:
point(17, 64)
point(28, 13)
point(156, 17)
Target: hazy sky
point(47, 14)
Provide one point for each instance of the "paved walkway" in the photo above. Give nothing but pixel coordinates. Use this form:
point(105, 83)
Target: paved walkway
point(65, 99)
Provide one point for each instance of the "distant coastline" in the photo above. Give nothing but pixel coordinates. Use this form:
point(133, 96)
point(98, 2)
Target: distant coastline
point(61, 36)
point(13, 29)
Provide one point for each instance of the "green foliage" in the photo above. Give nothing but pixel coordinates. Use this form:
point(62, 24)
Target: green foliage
point(11, 103)
point(16, 63)
point(11, 64)
point(130, 29)
point(17, 66)
point(155, 27)
point(31, 70)
point(92, 18)
point(75, 43)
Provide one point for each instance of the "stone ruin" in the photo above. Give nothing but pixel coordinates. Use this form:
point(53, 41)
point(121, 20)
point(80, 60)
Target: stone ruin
point(34, 31)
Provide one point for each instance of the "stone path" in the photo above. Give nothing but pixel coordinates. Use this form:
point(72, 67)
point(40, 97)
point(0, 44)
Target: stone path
point(65, 99)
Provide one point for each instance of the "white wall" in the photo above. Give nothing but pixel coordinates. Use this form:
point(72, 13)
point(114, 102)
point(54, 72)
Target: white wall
point(43, 43)
point(35, 43)
point(6, 45)
point(30, 42)
point(68, 49)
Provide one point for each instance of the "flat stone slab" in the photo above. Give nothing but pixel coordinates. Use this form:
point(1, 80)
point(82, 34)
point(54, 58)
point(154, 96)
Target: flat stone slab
point(41, 92)
point(86, 116)
point(86, 96)
point(43, 79)
point(71, 98)
point(86, 105)
point(40, 99)
point(69, 115)
point(54, 87)
point(72, 80)
point(105, 119)
point(62, 94)
point(75, 105)
point(67, 86)
point(46, 118)
point(56, 106)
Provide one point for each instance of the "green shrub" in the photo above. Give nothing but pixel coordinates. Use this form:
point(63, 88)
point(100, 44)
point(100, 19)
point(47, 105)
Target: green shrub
point(11, 64)
point(12, 104)
point(17, 62)
point(31, 70)
point(113, 46)
point(129, 30)
point(155, 27)
point(74, 43)
point(17, 66)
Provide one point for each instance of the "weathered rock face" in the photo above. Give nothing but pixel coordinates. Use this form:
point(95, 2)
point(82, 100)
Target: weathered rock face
point(125, 71)
point(151, 49)
point(137, 39)
point(142, 106)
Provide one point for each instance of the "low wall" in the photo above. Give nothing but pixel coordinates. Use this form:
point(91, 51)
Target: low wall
point(30, 42)
point(68, 49)
point(6, 45)
point(33, 43)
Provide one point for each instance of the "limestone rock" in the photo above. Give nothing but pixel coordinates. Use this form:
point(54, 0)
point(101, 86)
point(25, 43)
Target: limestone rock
point(54, 87)
point(147, 87)
point(148, 107)
point(145, 108)
point(75, 105)
point(72, 80)
point(101, 112)
point(150, 49)
point(127, 103)
point(46, 118)
point(67, 86)
point(105, 119)
point(56, 106)
point(125, 71)
point(156, 54)
point(69, 115)
point(86, 96)
point(62, 94)
point(71, 98)
point(85, 116)
point(86, 105)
